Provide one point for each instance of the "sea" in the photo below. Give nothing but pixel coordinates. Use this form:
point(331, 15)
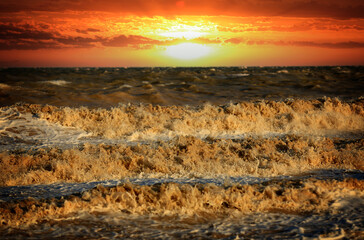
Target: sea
point(182, 153)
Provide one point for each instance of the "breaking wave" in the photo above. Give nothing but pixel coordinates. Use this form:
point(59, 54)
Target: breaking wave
point(185, 153)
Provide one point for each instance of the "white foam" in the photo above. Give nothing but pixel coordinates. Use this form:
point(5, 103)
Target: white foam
point(125, 86)
point(28, 130)
point(240, 75)
point(58, 82)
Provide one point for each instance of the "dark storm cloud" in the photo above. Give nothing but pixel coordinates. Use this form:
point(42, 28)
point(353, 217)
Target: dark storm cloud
point(27, 37)
point(11, 31)
point(35, 37)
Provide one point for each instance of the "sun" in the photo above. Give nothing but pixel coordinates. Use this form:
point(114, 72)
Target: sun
point(188, 51)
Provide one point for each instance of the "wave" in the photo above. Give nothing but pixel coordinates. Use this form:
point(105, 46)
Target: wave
point(181, 157)
point(289, 168)
point(141, 122)
point(169, 199)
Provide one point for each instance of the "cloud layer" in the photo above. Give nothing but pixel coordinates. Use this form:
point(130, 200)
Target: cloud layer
point(107, 27)
point(288, 8)
point(59, 31)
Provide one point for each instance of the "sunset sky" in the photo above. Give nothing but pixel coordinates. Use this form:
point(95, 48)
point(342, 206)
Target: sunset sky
point(77, 33)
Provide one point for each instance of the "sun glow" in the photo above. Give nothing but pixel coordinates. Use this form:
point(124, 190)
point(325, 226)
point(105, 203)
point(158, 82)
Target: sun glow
point(188, 51)
point(186, 35)
point(187, 28)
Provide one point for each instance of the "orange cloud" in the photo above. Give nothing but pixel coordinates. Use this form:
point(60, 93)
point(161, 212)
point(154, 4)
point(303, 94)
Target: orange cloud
point(289, 8)
point(334, 45)
point(88, 30)
point(341, 45)
point(234, 41)
point(132, 41)
point(180, 4)
point(231, 28)
point(27, 37)
point(142, 33)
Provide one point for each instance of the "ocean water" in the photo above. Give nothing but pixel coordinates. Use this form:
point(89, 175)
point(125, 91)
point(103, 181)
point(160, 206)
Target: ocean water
point(181, 153)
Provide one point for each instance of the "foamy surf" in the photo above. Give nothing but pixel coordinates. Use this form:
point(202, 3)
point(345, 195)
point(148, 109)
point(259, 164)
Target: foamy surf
point(320, 118)
point(119, 151)
point(25, 130)
point(58, 190)
point(225, 209)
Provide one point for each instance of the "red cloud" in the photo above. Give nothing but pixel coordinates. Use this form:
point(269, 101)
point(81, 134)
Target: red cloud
point(294, 8)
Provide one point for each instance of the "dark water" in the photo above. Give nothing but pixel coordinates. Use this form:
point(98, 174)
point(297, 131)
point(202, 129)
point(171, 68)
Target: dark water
point(105, 87)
